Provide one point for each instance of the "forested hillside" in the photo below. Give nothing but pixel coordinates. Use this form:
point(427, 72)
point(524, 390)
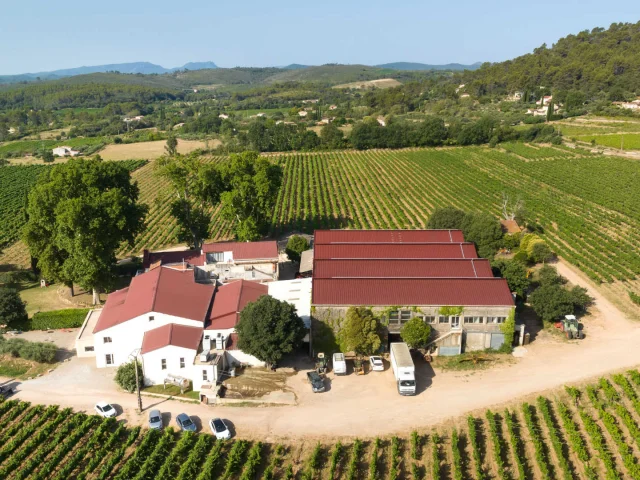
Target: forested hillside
point(591, 61)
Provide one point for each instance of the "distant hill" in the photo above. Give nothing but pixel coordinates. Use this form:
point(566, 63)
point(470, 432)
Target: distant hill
point(335, 74)
point(294, 66)
point(145, 68)
point(424, 66)
point(593, 61)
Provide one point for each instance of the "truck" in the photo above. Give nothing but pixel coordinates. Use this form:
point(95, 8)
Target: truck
point(403, 369)
point(339, 364)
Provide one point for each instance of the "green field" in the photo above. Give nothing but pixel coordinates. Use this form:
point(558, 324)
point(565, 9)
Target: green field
point(591, 433)
point(628, 141)
point(22, 147)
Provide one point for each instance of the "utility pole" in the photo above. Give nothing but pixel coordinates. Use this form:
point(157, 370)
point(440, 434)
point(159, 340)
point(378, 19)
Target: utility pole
point(135, 366)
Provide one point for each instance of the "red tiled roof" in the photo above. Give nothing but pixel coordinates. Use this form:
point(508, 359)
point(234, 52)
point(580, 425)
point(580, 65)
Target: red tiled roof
point(162, 290)
point(245, 250)
point(192, 257)
point(400, 250)
point(229, 301)
point(324, 237)
point(402, 268)
point(415, 291)
point(171, 334)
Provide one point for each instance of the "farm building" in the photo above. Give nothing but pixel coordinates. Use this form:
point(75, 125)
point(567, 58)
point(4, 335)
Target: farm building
point(65, 152)
point(432, 274)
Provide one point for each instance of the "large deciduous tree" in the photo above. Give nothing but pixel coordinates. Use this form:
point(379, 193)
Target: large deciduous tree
point(269, 328)
point(79, 214)
point(516, 275)
point(196, 187)
point(415, 332)
point(360, 332)
point(252, 185)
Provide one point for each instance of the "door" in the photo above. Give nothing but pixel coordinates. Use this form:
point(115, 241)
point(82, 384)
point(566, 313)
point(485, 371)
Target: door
point(455, 322)
point(474, 341)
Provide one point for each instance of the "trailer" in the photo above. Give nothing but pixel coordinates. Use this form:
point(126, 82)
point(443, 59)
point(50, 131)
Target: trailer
point(403, 369)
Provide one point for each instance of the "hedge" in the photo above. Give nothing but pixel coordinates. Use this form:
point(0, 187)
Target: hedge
point(37, 351)
point(54, 319)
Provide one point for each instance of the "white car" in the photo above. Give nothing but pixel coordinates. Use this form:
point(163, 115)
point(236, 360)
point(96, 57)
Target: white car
point(219, 429)
point(376, 363)
point(105, 409)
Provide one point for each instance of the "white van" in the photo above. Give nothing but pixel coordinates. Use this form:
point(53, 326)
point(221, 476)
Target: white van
point(339, 364)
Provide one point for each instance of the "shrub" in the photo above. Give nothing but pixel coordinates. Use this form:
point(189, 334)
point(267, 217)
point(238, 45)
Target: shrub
point(295, 246)
point(635, 298)
point(55, 319)
point(36, 351)
point(126, 376)
point(12, 308)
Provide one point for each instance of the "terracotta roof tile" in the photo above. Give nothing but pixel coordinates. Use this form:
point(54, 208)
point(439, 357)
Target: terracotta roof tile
point(162, 290)
point(229, 301)
point(171, 334)
point(324, 237)
point(245, 250)
point(401, 250)
point(191, 257)
point(402, 268)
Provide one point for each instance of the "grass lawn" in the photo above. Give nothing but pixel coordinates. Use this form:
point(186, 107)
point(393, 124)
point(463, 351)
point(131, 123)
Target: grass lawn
point(22, 369)
point(173, 391)
point(628, 141)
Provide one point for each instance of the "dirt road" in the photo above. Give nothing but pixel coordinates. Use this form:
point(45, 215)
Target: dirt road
point(369, 405)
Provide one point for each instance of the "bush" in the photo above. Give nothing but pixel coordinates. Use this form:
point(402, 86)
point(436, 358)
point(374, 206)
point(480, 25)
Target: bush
point(36, 351)
point(12, 308)
point(295, 246)
point(540, 252)
point(635, 298)
point(55, 319)
point(126, 376)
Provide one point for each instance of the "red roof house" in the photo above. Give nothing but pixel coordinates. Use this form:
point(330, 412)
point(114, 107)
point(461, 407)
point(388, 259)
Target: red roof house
point(229, 301)
point(171, 334)
point(326, 237)
point(267, 250)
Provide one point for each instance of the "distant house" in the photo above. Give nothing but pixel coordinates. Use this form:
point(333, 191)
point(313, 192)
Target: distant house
point(333, 107)
point(545, 100)
point(515, 96)
point(65, 152)
point(303, 113)
point(382, 121)
point(633, 105)
point(178, 125)
point(315, 100)
point(195, 90)
point(223, 116)
point(464, 95)
point(325, 121)
point(460, 87)
point(261, 115)
point(137, 118)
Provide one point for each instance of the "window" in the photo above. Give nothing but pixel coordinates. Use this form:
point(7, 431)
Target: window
point(151, 318)
point(443, 319)
point(109, 358)
point(429, 319)
point(405, 316)
point(394, 317)
point(496, 319)
point(215, 257)
point(181, 362)
point(204, 376)
point(88, 349)
point(107, 339)
point(473, 320)
point(163, 362)
point(455, 321)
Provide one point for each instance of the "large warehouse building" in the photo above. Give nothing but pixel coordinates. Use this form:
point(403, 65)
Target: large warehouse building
point(399, 274)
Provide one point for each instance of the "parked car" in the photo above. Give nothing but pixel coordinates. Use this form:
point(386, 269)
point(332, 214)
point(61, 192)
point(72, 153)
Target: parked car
point(339, 364)
point(220, 429)
point(376, 363)
point(155, 420)
point(6, 391)
point(316, 381)
point(184, 422)
point(105, 409)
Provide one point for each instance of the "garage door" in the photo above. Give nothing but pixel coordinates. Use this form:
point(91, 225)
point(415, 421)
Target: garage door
point(497, 339)
point(449, 351)
point(474, 341)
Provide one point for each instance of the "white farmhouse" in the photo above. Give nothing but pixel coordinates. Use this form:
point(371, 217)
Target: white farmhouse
point(303, 113)
point(65, 152)
point(223, 116)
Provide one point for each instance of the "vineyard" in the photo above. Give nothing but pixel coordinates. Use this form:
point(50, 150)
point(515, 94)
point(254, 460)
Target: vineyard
point(587, 207)
point(587, 433)
point(16, 182)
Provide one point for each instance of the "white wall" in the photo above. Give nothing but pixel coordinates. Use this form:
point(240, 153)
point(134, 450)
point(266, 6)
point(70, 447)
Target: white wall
point(239, 356)
point(213, 334)
point(152, 364)
point(127, 337)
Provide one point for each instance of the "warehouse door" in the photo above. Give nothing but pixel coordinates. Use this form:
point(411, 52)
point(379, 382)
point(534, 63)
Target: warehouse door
point(474, 341)
point(497, 340)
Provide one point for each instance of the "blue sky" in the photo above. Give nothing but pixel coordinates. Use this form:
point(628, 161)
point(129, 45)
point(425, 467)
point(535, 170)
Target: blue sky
point(41, 35)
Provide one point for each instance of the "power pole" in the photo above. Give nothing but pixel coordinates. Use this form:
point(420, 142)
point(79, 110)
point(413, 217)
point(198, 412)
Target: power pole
point(135, 366)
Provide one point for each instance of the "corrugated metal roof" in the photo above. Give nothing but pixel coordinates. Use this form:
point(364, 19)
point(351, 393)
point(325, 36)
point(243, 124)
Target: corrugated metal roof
point(162, 290)
point(402, 268)
point(245, 250)
point(400, 250)
point(306, 261)
point(171, 334)
point(414, 291)
point(324, 237)
point(191, 257)
point(229, 301)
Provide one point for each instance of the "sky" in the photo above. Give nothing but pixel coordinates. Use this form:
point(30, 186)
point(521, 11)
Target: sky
point(44, 35)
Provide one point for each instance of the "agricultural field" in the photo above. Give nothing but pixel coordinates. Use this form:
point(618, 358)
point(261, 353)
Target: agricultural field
point(586, 207)
point(380, 83)
point(589, 433)
point(20, 148)
point(16, 182)
point(151, 150)
point(627, 141)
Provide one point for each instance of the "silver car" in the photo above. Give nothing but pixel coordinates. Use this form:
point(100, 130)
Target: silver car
point(220, 429)
point(185, 423)
point(155, 420)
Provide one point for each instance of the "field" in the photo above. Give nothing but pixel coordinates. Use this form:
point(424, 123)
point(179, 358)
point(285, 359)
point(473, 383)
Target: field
point(612, 133)
point(380, 83)
point(587, 207)
point(23, 147)
point(591, 433)
point(16, 181)
point(149, 150)
point(629, 141)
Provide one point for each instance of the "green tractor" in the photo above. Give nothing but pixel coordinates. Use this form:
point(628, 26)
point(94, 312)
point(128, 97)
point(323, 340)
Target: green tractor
point(571, 327)
point(321, 363)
